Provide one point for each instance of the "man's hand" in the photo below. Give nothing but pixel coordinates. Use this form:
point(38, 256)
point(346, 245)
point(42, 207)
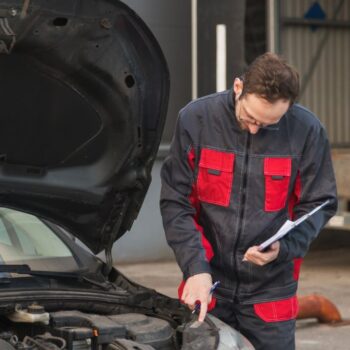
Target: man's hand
point(197, 289)
point(262, 258)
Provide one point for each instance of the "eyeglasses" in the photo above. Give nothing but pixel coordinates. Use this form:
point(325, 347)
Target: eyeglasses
point(248, 119)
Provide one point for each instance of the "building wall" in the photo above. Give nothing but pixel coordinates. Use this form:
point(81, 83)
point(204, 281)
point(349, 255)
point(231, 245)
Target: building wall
point(322, 56)
point(146, 240)
point(210, 14)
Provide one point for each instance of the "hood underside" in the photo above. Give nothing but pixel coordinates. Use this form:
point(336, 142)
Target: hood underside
point(84, 91)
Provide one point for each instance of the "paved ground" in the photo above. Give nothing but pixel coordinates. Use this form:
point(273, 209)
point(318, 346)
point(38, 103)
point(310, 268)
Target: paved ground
point(325, 272)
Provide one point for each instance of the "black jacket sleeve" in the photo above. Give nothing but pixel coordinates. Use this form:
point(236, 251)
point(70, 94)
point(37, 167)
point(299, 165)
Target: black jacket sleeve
point(317, 185)
point(177, 211)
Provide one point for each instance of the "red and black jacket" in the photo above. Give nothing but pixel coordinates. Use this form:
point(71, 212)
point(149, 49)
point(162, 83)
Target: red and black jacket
point(225, 190)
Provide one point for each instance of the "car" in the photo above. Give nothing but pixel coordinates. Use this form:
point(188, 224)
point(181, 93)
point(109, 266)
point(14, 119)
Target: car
point(84, 91)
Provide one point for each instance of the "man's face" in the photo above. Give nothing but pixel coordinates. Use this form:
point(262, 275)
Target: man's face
point(254, 112)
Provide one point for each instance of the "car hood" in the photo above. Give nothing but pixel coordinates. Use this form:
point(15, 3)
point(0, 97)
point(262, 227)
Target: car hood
point(84, 92)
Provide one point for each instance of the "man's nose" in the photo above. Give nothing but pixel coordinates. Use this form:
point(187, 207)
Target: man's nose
point(253, 129)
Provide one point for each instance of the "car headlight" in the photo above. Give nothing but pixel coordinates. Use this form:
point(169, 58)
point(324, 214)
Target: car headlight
point(230, 339)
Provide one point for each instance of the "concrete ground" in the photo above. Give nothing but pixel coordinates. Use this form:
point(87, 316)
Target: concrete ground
point(326, 271)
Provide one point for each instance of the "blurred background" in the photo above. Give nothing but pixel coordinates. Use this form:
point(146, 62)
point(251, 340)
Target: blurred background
point(207, 43)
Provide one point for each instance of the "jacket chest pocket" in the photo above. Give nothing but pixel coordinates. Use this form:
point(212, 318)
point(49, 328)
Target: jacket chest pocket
point(277, 173)
point(215, 177)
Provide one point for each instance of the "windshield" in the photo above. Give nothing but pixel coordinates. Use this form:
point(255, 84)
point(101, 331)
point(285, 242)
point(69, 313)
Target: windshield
point(24, 239)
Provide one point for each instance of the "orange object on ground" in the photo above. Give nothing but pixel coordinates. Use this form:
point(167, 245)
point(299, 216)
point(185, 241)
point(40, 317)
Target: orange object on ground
point(317, 306)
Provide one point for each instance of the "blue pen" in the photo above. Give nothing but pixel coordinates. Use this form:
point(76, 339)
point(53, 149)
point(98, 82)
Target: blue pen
point(213, 287)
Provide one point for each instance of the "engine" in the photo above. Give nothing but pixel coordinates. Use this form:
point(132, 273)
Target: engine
point(75, 330)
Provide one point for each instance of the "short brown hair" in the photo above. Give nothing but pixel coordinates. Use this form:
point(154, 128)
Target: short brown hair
point(272, 78)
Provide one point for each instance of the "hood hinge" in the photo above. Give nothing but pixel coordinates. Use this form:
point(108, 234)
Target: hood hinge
point(7, 30)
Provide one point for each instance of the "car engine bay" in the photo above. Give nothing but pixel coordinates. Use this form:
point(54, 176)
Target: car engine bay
point(34, 329)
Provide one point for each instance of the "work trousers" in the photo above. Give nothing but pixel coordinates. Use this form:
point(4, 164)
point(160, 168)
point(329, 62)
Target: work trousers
point(277, 335)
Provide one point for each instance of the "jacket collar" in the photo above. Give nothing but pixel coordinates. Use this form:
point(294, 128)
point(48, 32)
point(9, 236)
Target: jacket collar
point(232, 107)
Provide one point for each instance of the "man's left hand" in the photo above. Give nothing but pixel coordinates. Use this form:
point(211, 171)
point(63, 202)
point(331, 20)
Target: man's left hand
point(262, 258)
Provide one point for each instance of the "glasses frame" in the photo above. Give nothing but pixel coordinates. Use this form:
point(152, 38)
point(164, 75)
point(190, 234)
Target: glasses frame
point(247, 119)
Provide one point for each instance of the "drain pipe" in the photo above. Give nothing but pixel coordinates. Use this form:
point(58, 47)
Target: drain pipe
point(317, 306)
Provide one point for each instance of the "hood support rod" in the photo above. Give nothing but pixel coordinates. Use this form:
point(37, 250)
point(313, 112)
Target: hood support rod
point(112, 238)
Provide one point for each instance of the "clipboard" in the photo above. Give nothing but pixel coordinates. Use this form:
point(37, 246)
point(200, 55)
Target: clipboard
point(289, 225)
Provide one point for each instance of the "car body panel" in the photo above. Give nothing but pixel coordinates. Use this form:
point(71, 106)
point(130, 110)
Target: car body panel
point(84, 97)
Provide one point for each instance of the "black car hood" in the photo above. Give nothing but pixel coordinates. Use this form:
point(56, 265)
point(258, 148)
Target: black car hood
point(84, 92)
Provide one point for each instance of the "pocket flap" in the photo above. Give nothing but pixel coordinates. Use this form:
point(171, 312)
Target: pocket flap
point(278, 166)
point(217, 160)
point(277, 311)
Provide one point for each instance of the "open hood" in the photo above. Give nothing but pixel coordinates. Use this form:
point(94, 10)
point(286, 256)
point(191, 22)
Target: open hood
point(84, 90)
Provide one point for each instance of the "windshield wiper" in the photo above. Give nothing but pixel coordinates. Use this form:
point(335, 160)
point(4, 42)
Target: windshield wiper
point(26, 270)
point(77, 275)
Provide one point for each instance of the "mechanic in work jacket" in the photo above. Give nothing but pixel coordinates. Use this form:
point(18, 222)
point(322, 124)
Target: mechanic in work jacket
point(225, 190)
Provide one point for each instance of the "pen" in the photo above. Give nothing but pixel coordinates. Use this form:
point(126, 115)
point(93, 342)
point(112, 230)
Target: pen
point(213, 287)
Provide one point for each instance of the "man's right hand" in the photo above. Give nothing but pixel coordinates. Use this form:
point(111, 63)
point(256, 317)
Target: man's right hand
point(197, 289)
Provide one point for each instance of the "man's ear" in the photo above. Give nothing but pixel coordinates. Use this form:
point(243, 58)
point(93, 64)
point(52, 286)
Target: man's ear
point(237, 87)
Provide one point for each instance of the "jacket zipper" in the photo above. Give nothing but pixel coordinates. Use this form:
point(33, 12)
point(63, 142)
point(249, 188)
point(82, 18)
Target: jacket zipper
point(242, 209)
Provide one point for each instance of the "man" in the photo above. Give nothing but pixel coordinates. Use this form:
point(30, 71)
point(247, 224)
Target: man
point(242, 162)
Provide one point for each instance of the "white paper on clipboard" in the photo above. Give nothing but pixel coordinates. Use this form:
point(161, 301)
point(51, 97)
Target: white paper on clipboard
point(287, 226)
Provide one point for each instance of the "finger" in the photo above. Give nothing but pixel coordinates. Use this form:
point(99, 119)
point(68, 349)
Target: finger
point(252, 251)
point(256, 257)
point(191, 306)
point(257, 260)
point(270, 257)
point(203, 311)
point(248, 257)
point(185, 289)
point(190, 301)
point(183, 295)
point(273, 246)
point(194, 305)
point(253, 256)
point(261, 255)
point(248, 251)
